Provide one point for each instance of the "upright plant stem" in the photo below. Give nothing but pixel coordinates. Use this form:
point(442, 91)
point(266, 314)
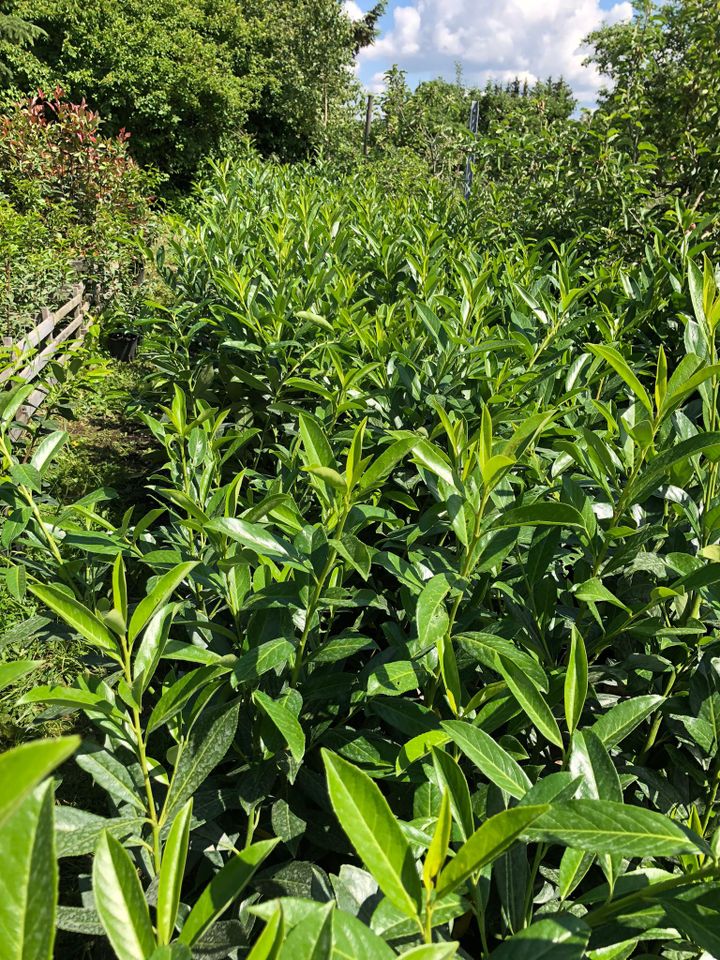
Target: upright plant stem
point(142, 758)
point(315, 598)
point(465, 571)
point(27, 495)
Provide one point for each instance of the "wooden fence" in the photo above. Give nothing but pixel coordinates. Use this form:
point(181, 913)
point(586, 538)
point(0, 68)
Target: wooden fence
point(49, 341)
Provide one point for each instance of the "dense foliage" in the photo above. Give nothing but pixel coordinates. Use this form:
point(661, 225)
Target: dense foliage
point(431, 122)
point(547, 172)
point(662, 69)
point(190, 78)
point(71, 201)
point(407, 645)
point(435, 533)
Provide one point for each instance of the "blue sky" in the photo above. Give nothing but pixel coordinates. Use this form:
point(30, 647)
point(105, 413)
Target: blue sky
point(491, 38)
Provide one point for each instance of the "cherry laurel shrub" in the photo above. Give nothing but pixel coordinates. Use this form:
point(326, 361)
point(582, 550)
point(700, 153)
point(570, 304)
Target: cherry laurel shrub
point(413, 651)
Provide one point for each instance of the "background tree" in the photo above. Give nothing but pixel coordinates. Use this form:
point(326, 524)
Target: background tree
point(189, 77)
point(15, 32)
point(175, 73)
point(663, 68)
point(432, 120)
point(365, 30)
point(303, 52)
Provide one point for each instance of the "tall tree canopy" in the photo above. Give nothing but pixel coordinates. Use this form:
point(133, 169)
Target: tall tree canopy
point(15, 33)
point(663, 68)
point(188, 76)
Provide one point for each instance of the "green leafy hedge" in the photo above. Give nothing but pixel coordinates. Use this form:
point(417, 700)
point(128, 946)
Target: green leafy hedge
point(416, 654)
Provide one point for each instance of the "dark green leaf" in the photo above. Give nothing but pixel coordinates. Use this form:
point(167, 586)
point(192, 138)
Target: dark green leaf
point(562, 937)
point(209, 741)
point(285, 722)
point(172, 871)
point(488, 842)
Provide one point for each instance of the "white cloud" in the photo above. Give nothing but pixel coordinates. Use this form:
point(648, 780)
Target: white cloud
point(619, 12)
point(404, 38)
point(493, 39)
point(376, 84)
point(352, 9)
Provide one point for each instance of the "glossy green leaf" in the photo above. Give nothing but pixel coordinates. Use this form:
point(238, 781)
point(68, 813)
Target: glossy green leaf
point(621, 367)
point(602, 826)
point(73, 698)
point(10, 672)
point(152, 646)
point(82, 620)
point(16, 580)
point(120, 901)
point(591, 763)
point(541, 515)
point(432, 458)
point(594, 591)
point(562, 937)
point(203, 750)
point(113, 776)
point(451, 777)
point(223, 889)
point(383, 465)
point(352, 938)
point(437, 851)
point(120, 598)
point(432, 617)
point(487, 647)
point(623, 718)
point(268, 944)
point(258, 661)
point(574, 865)
point(576, 680)
point(694, 912)
point(374, 832)
point(489, 841)
point(23, 767)
point(11, 400)
point(172, 871)
point(174, 951)
point(329, 476)
point(25, 475)
point(177, 694)
point(449, 672)
point(489, 757)
point(393, 678)
point(48, 449)
point(312, 937)
point(29, 879)
point(255, 537)
point(316, 448)
point(159, 595)
point(355, 552)
point(431, 951)
point(656, 473)
point(531, 700)
point(284, 721)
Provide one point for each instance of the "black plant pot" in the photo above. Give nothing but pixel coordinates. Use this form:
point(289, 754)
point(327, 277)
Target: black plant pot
point(123, 346)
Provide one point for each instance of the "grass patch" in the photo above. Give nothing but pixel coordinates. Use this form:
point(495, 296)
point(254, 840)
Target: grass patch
point(109, 446)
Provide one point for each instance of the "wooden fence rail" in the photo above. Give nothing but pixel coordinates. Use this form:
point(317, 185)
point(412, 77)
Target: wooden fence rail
point(31, 354)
